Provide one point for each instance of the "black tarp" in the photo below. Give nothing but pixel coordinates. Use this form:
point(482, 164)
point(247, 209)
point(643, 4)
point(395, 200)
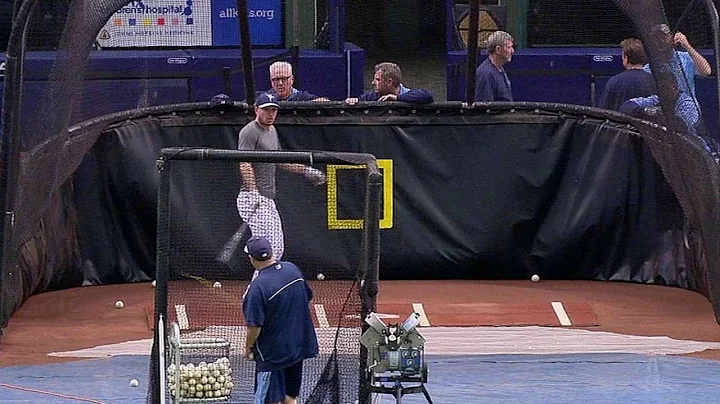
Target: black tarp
point(478, 198)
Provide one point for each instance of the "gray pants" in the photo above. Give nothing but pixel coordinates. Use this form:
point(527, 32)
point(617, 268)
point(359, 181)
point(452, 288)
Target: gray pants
point(261, 215)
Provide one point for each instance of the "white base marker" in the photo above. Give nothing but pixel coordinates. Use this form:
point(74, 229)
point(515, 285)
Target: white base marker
point(561, 314)
point(182, 317)
point(418, 308)
point(321, 316)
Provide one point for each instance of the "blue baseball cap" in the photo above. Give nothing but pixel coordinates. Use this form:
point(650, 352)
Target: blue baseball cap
point(259, 248)
point(265, 100)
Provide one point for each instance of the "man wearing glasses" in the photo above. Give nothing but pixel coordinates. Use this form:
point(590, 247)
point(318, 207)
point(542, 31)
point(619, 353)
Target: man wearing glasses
point(282, 79)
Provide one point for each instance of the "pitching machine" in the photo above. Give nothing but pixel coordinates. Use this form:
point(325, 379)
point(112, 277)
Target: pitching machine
point(396, 357)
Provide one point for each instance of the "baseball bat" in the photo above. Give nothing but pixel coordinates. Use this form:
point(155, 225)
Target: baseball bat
point(231, 245)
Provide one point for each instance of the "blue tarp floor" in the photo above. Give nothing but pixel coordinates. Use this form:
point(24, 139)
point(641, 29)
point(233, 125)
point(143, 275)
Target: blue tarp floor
point(587, 378)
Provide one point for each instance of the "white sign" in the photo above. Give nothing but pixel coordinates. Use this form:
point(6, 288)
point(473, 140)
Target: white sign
point(157, 23)
point(189, 23)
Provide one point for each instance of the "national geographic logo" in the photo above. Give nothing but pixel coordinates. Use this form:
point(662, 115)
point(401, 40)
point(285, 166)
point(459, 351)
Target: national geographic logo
point(336, 223)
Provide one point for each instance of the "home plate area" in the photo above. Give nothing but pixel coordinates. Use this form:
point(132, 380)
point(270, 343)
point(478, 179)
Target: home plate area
point(195, 306)
point(578, 314)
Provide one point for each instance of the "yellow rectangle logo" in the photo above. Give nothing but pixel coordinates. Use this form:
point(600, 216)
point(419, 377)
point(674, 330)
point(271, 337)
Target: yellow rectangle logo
point(336, 223)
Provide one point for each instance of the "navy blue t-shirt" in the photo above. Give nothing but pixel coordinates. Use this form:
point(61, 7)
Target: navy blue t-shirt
point(409, 95)
point(277, 301)
point(629, 84)
point(492, 84)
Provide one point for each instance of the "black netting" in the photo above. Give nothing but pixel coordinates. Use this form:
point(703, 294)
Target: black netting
point(202, 271)
point(688, 157)
point(603, 23)
point(327, 389)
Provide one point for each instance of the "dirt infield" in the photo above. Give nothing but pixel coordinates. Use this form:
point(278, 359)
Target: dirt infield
point(86, 317)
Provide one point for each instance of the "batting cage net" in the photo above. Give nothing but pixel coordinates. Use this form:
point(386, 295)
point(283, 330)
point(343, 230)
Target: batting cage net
point(206, 213)
point(694, 180)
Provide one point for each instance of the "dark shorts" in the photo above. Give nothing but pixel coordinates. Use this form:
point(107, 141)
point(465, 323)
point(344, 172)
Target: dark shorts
point(272, 387)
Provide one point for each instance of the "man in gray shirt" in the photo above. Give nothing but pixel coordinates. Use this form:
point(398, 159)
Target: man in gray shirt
point(255, 201)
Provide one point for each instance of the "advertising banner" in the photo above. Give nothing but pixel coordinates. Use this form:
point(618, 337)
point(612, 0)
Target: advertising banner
point(188, 23)
point(265, 18)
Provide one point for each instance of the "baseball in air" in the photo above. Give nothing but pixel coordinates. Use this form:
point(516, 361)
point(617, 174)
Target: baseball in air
point(535, 278)
point(119, 304)
point(154, 283)
point(320, 277)
point(134, 383)
point(217, 285)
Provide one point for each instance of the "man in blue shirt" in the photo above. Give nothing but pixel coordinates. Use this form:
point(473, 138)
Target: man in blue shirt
point(690, 61)
point(280, 331)
point(682, 66)
point(389, 87)
point(282, 80)
point(492, 83)
point(631, 83)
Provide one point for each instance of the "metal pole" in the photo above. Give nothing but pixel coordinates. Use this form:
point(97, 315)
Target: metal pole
point(370, 267)
point(472, 50)
point(162, 276)
point(246, 51)
point(295, 51)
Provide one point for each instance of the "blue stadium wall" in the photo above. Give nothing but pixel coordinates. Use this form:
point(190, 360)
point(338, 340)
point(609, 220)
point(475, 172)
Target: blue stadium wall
point(117, 79)
point(560, 75)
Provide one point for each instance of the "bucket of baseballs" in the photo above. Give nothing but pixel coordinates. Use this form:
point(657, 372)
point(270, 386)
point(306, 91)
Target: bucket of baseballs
point(201, 380)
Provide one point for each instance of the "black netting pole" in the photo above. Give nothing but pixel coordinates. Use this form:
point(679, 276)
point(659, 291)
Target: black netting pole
point(699, 199)
point(369, 285)
point(246, 50)
point(162, 269)
point(10, 141)
point(472, 50)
